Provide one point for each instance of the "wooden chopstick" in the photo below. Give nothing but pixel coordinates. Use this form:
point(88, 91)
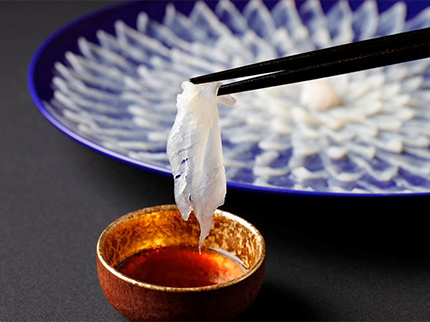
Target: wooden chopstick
point(348, 58)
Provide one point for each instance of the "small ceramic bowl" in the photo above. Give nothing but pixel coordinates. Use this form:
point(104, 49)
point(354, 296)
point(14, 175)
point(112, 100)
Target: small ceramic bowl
point(163, 226)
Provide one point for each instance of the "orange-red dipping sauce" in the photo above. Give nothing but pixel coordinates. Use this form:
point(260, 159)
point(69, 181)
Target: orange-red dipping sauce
point(181, 266)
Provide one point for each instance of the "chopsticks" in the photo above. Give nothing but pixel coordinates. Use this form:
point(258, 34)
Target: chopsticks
point(348, 58)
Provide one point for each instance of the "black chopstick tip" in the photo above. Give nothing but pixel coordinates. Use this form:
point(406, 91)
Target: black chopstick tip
point(193, 80)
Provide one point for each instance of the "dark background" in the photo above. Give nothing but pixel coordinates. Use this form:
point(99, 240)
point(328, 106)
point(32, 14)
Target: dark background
point(351, 259)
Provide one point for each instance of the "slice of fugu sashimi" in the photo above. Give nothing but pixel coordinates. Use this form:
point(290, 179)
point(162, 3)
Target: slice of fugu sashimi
point(194, 149)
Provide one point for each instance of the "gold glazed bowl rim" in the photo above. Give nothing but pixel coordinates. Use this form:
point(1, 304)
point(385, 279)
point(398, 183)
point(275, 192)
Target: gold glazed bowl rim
point(148, 210)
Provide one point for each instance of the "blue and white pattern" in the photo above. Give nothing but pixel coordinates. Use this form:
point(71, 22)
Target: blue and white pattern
point(366, 132)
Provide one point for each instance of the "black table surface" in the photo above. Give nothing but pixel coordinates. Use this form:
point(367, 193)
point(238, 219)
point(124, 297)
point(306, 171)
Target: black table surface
point(349, 259)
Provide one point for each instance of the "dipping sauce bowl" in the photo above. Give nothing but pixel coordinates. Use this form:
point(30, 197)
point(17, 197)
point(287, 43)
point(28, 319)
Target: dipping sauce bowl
point(163, 226)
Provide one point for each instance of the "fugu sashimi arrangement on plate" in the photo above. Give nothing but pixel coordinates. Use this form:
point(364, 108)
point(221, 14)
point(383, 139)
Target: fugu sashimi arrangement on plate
point(110, 80)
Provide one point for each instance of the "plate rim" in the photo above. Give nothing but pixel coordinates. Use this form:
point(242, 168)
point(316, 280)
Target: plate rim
point(31, 83)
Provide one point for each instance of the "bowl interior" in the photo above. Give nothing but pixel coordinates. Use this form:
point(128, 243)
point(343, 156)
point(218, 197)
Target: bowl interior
point(163, 226)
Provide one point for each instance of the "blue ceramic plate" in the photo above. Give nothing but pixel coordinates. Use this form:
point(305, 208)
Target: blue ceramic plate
point(109, 80)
